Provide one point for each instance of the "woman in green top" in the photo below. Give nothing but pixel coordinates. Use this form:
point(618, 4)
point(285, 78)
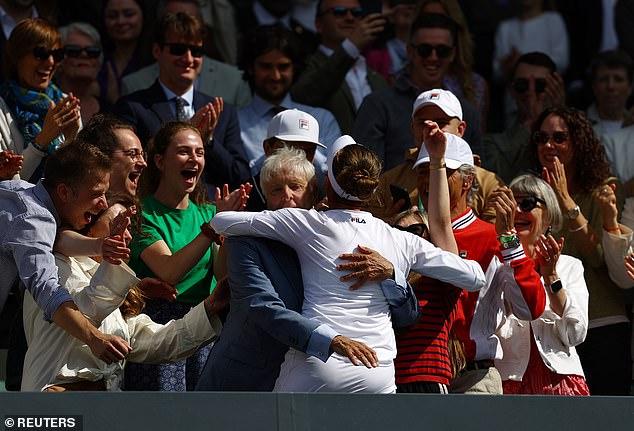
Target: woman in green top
point(172, 247)
point(573, 162)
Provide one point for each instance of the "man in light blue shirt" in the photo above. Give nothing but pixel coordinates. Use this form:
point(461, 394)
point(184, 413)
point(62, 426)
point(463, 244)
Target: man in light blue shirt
point(73, 190)
point(270, 59)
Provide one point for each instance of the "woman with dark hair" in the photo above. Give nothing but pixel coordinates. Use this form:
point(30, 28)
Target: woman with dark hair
point(44, 115)
point(540, 356)
point(320, 239)
point(172, 245)
point(126, 46)
point(573, 162)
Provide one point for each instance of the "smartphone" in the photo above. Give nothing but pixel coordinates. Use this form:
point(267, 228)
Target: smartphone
point(549, 231)
point(372, 6)
point(399, 193)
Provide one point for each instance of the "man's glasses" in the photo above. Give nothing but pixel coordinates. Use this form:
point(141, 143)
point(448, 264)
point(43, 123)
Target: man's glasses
point(527, 203)
point(75, 51)
point(179, 49)
point(42, 53)
point(418, 229)
point(520, 85)
point(542, 138)
point(342, 11)
point(425, 50)
point(134, 154)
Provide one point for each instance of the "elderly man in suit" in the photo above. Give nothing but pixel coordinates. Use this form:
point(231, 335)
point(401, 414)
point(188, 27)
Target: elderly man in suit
point(266, 300)
point(178, 52)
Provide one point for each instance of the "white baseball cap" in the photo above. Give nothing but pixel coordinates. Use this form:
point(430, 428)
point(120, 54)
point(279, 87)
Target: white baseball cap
point(294, 125)
point(457, 153)
point(444, 99)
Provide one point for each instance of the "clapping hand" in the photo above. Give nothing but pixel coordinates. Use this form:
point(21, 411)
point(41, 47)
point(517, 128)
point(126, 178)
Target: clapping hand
point(10, 164)
point(206, 118)
point(606, 198)
point(234, 201)
point(505, 206)
point(555, 176)
point(114, 247)
point(547, 252)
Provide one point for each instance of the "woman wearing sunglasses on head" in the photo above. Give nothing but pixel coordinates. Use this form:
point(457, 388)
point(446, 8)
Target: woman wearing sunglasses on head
point(44, 116)
point(540, 356)
point(77, 74)
point(573, 162)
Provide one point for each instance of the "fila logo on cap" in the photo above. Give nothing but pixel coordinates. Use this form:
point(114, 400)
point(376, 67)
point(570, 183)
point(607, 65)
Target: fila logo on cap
point(304, 124)
point(434, 96)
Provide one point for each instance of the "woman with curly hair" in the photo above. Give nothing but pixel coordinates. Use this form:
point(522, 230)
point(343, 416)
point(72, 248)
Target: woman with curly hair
point(461, 79)
point(573, 162)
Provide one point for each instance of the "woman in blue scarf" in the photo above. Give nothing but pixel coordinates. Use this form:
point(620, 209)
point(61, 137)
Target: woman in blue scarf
point(44, 115)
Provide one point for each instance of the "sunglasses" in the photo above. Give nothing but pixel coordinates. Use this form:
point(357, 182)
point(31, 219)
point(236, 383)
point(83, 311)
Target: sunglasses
point(520, 85)
point(179, 49)
point(342, 11)
point(418, 229)
point(75, 51)
point(528, 203)
point(42, 53)
point(425, 50)
point(542, 138)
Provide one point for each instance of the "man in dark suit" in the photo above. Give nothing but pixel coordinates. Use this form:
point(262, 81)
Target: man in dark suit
point(178, 51)
point(264, 318)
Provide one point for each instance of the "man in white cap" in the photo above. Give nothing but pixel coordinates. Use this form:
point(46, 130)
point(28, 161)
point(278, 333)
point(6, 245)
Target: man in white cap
point(512, 281)
point(296, 129)
point(444, 108)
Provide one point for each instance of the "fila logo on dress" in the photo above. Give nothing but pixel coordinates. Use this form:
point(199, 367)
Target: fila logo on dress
point(357, 220)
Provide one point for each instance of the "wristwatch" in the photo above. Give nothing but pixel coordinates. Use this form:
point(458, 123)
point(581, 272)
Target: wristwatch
point(509, 241)
point(573, 213)
point(556, 286)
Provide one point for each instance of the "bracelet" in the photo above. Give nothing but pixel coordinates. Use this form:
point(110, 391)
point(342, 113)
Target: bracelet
point(579, 228)
point(434, 166)
point(614, 229)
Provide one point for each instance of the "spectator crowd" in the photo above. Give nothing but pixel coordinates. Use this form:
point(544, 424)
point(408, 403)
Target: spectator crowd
point(402, 196)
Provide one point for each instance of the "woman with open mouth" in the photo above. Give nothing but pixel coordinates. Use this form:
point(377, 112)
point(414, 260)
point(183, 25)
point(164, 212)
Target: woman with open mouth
point(45, 117)
point(173, 247)
point(540, 356)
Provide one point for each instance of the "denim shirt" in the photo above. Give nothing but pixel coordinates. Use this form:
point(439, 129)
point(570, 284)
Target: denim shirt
point(28, 226)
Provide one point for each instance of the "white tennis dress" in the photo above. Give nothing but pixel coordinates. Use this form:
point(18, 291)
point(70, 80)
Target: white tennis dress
point(319, 237)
